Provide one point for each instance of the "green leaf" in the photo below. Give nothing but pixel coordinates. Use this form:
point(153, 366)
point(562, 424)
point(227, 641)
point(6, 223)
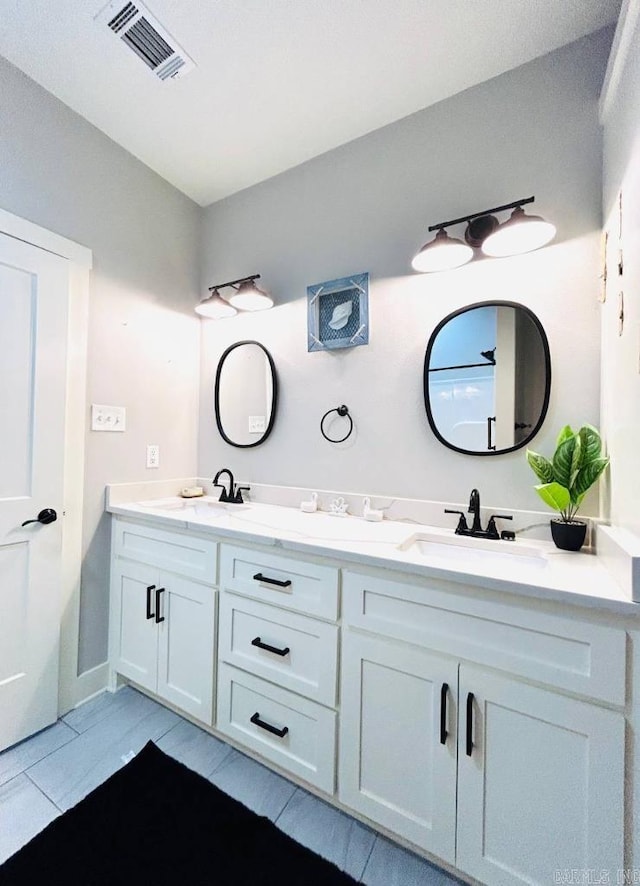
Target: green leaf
point(591, 444)
point(564, 434)
point(588, 475)
point(541, 466)
point(554, 495)
point(566, 461)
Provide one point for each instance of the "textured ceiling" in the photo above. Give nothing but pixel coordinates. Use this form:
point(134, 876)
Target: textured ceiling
point(277, 81)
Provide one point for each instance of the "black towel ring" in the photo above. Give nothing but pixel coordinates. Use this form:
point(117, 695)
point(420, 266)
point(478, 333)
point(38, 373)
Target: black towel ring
point(343, 411)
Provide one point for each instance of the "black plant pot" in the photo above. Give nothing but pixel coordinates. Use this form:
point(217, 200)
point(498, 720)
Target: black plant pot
point(568, 536)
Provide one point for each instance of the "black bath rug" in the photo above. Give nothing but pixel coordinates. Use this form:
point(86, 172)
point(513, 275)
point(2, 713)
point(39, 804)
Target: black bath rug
point(155, 822)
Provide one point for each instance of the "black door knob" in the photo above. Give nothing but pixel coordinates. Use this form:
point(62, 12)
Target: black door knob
point(46, 516)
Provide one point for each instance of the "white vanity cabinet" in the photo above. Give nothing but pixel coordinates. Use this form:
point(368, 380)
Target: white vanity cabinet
point(487, 730)
point(277, 672)
point(163, 614)
point(508, 781)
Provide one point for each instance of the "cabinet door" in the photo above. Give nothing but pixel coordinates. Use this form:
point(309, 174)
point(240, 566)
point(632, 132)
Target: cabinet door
point(134, 636)
point(393, 767)
point(542, 789)
point(186, 644)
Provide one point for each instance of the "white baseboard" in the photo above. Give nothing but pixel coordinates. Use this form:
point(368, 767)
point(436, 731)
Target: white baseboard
point(87, 685)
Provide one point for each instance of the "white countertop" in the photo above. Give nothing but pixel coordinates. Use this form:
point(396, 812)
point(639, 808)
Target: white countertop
point(577, 578)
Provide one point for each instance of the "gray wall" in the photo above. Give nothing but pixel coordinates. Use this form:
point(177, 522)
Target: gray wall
point(621, 353)
point(60, 172)
point(366, 207)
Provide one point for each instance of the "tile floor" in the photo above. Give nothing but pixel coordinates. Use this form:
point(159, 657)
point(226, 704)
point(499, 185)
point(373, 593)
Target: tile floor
point(50, 772)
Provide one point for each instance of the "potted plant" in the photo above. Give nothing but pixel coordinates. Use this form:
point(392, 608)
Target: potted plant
point(576, 465)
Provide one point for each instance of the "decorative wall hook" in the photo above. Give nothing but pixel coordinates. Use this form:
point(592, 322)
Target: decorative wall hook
point(342, 411)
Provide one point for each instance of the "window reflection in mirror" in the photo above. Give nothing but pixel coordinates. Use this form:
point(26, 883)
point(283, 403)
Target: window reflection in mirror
point(487, 378)
point(246, 394)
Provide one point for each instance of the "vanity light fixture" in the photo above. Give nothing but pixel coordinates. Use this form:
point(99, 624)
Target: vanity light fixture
point(520, 233)
point(214, 307)
point(443, 253)
point(247, 297)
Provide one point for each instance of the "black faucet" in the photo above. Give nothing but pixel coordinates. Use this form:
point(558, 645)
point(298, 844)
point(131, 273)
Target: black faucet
point(476, 530)
point(474, 508)
point(233, 495)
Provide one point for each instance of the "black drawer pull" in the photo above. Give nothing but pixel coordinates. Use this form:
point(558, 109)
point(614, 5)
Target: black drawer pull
point(443, 713)
point(258, 642)
point(159, 617)
point(469, 724)
point(150, 614)
point(272, 581)
point(272, 729)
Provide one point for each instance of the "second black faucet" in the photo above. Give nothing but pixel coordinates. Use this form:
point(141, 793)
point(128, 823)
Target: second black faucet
point(476, 530)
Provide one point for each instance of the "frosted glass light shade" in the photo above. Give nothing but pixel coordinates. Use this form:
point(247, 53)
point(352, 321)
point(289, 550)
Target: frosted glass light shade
point(443, 253)
point(521, 233)
point(215, 308)
point(250, 298)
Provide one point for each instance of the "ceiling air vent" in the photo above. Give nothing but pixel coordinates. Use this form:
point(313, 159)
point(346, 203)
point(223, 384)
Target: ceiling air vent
point(144, 35)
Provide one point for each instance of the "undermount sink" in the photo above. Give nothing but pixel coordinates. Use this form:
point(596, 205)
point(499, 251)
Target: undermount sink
point(196, 505)
point(463, 548)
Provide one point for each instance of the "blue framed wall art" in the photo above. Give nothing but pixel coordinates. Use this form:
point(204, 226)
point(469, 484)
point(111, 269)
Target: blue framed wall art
point(338, 313)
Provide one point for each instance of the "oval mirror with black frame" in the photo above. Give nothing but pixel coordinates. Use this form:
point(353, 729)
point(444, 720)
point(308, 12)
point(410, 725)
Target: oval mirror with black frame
point(246, 394)
point(487, 378)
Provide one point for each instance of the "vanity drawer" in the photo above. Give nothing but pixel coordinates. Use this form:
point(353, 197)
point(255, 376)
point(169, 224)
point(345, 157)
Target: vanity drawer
point(308, 667)
point(256, 713)
point(295, 584)
point(187, 554)
point(573, 655)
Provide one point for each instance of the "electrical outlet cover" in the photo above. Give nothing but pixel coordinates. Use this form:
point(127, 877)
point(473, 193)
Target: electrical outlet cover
point(153, 455)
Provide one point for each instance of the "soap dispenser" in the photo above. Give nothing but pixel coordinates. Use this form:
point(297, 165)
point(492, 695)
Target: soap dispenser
point(310, 507)
point(370, 513)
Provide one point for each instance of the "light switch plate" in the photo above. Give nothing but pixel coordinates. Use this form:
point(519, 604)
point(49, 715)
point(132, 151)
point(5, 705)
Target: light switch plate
point(108, 418)
point(257, 424)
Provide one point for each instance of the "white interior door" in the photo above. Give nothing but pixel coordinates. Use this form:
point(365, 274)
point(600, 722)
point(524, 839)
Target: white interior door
point(34, 288)
point(505, 378)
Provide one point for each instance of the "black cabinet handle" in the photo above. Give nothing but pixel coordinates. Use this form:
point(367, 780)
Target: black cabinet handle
point(443, 713)
point(470, 724)
point(272, 581)
point(272, 729)
point(150, 614)
point(258, 642)
point(159, 617)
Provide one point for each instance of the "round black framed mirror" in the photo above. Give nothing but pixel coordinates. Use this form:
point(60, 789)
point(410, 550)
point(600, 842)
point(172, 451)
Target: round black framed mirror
point(246, 394)
point(487, 378)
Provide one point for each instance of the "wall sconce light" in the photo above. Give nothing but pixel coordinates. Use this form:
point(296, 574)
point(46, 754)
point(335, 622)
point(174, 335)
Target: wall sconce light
point(214, 307)
point(247, 297)
point(520, 233)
